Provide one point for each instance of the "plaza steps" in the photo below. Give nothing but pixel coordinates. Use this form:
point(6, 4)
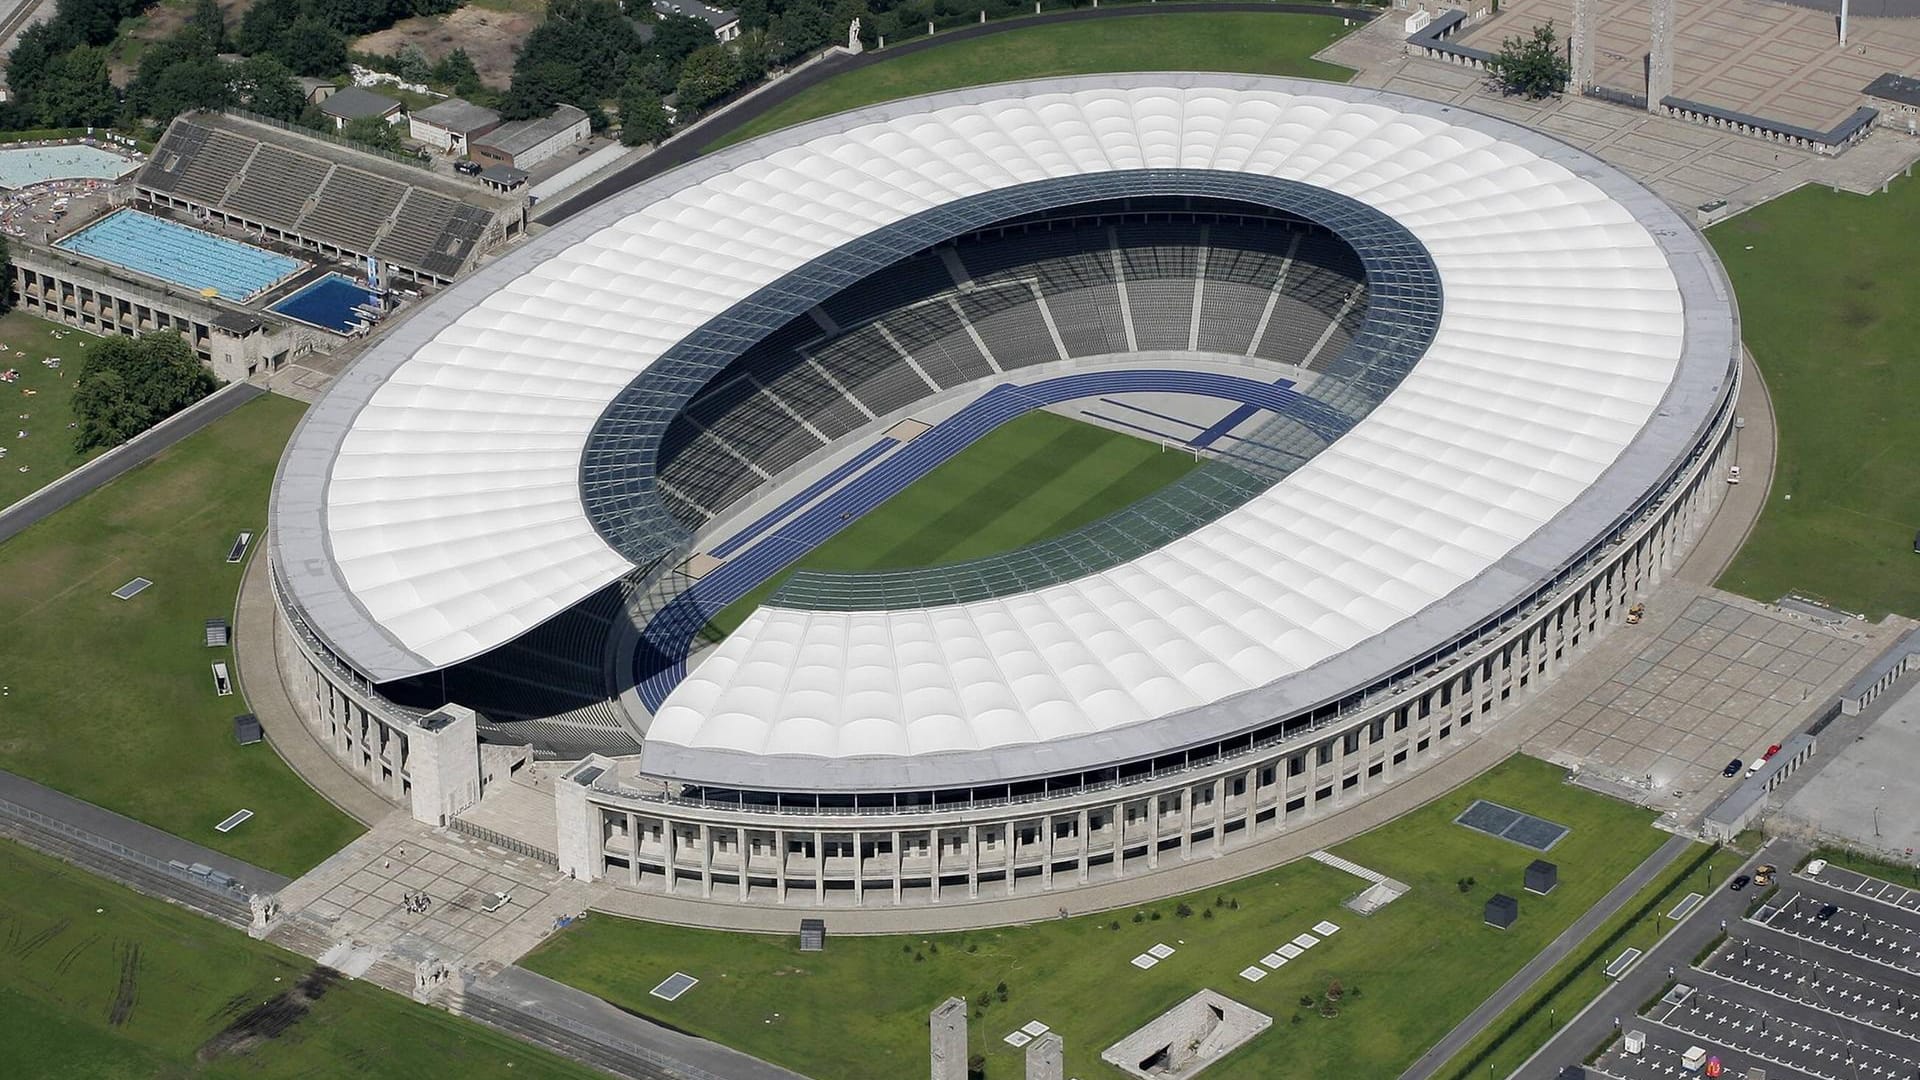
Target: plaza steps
point(1354, 868)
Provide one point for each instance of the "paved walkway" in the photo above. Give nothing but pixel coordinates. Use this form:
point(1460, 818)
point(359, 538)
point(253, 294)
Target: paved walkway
point(256, 637)
point(1560, 948)
point(118, 461)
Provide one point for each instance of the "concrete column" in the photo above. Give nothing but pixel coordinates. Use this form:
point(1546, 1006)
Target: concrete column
point(633, 849)
point(1046, 848)
point(973, 861)
point(1006, 837)
point(1046, 1058)
point(1219, 814)
point(780, 866)
point(743, 859)
point(859, 868)
point(899, 864)
point(1186, 821)
point(672, 830)
point(1153, 831)
point(1086, 845)
point(1584, 20)
point(706, 862)
point(947, 1028)
point(1253, 802)
point(1660, 59)
point(819, 868)
point(1119, 839)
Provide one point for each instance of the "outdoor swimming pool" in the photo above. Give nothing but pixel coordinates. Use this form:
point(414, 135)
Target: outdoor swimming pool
point(328, 303)
point(22, 166)
point(185, 256)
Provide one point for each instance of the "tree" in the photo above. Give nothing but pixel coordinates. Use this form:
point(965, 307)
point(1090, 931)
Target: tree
point(1532, 66)
point(457, 71)
point(127, 385)
point(76, 91)
point(192, 83)
point(579, 55)
point(411, 64)
point(373, 131)
point(643, 118)
point(264, 85)
point(33, 57)
point(308, 46)
point(708, 75)
point(209, 25)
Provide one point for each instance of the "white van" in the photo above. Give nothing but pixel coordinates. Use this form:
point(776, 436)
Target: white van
point(1693, 1059)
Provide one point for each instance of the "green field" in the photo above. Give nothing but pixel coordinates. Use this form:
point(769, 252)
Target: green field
point(39, 402)
point(1264, 44)
point(102, 983)
point(1524, 1028)
point(1410, 972)
point(1830, 307)
point(113, 700)
point(1034, 477)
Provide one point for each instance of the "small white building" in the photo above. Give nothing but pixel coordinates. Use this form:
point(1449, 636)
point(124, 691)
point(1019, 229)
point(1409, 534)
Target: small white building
point(451, 126)
point(726, 24)
point(526, 143)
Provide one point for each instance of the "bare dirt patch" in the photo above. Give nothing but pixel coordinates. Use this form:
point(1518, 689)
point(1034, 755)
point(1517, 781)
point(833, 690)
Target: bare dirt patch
point(491, 37)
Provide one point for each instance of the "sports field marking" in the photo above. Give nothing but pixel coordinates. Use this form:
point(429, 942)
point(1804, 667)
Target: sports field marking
point(233, 821)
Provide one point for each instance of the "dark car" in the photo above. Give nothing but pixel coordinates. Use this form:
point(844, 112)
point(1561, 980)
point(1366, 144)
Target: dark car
point(1739, 883)
point(1826, 912)
point(469, 168)
point(1732, 769)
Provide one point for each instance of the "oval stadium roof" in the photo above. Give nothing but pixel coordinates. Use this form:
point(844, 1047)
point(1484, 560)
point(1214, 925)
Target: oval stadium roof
point(430, 507)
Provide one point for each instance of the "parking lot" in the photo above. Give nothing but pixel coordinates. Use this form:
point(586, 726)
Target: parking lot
point(1820, 980)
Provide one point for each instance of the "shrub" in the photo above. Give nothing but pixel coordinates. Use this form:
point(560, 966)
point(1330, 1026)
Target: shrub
point(1183, 909)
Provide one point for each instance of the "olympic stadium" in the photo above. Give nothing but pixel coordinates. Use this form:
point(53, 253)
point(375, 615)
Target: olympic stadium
point(1459, 394)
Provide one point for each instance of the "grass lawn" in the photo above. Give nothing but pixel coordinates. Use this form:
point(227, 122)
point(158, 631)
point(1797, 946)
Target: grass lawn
point(1264, 44)
point(1525, 1027)
point(45, 396)
point(112, 700)
point(1035, 477)
point(103, 983)
point(1410, 972)
point(1830, 306)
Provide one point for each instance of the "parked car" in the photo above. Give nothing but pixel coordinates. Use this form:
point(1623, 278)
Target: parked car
point(1732, 769)
point(1771, 750)
point(1733, 475)
point(467, 168)
point(1816, 867)
point(1826, 912)
point(1739, 883)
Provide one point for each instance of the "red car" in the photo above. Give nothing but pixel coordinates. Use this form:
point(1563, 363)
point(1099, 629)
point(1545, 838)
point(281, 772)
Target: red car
point(1771, 750)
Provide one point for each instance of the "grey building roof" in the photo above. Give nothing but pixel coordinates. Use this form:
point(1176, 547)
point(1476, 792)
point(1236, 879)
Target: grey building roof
point(718, 18)
point(504, 175)
point(459, 116)
point(1904, 89)
point(357, 102)
point(520, 136)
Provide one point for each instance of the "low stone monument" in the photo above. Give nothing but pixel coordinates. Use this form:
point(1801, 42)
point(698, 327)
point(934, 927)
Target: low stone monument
point(1187, 1038)
point(265, 908)
point(947, 1026)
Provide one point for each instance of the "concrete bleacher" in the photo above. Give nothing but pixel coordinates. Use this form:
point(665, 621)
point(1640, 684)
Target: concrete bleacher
point(306, 190)
point(1273, 289)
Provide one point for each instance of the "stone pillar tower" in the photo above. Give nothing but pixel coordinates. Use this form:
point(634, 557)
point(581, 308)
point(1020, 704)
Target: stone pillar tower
point(947, 1025)
point(1660, 58)
point(1582, 42)
point(1047, 1057)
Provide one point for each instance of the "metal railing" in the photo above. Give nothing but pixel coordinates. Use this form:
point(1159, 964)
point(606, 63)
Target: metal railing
point(502, 840)
point(235, 890)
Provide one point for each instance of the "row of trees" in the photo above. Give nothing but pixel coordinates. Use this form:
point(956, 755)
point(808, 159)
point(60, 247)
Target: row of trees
point(126, 385)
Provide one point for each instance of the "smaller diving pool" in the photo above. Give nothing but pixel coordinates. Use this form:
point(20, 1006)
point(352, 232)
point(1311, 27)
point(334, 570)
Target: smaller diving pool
point(328, 303)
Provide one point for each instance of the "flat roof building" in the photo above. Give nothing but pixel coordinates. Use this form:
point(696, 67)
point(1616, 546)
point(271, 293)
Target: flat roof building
point(526, 143)
point(357, 103)
point(451, 124)
point(726, 24)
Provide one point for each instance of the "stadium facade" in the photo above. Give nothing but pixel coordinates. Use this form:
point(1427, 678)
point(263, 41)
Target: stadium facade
point(1497, 380)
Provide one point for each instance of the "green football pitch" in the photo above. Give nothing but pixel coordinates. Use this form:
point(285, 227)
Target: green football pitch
point(1033, 478)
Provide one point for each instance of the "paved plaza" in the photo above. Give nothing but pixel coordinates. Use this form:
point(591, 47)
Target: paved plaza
point(1721, 677)
point(1864, 795)
point(1689, 164)
point(482, 903)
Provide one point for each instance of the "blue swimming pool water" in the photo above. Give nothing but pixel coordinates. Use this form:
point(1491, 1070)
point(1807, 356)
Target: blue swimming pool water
point(183, 255)
point(327, 303)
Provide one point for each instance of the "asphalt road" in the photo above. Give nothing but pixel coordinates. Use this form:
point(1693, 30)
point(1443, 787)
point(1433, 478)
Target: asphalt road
point(1623, 999)
point(691, 145)
point(117, 462)
point(1537, 968)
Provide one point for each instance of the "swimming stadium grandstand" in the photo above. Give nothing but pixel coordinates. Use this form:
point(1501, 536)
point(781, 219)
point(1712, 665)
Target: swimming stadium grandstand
point(1459, 394)
point(344, 203)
